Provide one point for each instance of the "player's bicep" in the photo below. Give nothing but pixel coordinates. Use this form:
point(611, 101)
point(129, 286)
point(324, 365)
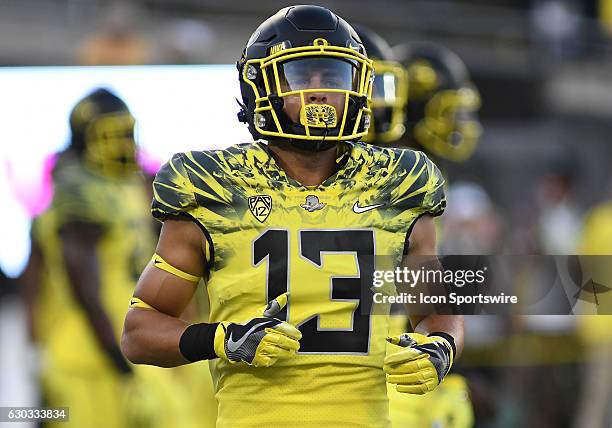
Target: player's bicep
point(422, 255)
point(422, 239)
point(169, 286)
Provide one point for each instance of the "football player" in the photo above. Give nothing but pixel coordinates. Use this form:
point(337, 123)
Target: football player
point(443, 103)
point(88, 248)
point(295, 221)
point(389, 90)
point(448, 405)
point(595, 332)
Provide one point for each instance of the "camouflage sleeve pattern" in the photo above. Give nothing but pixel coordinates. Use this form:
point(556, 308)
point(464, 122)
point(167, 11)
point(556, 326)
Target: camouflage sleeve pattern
point(434, 202)
point(421, 187)
point(173, 192)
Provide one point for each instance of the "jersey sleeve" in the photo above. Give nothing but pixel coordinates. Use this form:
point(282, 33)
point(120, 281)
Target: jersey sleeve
point(434, 202)
point(421, 189)
point(173, 192)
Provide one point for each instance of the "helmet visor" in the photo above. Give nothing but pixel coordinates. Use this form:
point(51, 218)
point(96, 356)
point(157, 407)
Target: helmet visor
point(384, 89)
point(318, 73)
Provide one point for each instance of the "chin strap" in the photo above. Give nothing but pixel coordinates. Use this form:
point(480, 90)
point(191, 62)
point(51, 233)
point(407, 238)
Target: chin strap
point(320, 145)
point(242, 114)
point(355, 104)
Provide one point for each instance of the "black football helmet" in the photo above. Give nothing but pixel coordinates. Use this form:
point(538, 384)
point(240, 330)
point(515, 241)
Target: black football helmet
point(443, 103)
point(102, 133)
point(301, 57)
point(389, 90)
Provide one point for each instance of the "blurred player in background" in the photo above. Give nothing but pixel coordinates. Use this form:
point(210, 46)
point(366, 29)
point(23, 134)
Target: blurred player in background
point(305, 213)
point(443, 103)
point(596, 391)
point(448, 405)
point(87, 252)
point(389, 90)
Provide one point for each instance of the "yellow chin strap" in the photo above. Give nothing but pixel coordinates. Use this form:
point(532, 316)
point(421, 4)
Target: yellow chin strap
point(160, 263)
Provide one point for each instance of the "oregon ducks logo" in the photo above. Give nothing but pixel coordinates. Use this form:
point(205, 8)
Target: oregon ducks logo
point(312, 203)
point(260, 206)
point(318, 116)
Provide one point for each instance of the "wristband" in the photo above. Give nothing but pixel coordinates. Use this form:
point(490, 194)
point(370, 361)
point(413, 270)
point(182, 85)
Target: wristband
point(198, 342)
point(448, 338)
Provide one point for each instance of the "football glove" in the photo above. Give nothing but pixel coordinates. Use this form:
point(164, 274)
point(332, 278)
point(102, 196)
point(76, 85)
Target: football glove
point(260, 341)
point(420, 367)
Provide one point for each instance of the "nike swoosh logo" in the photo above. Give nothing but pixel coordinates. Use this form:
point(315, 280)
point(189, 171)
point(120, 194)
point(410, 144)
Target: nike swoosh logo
point(233, 346)
point(358, 210)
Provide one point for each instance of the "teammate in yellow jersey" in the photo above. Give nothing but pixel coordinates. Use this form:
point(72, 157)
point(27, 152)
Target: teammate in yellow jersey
point(295, 222)
point(435, 130)
point(595, 332)
point(88, 250)
point(443, 103)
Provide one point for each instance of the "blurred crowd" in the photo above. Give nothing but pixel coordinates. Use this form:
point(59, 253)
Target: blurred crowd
point(525, 176)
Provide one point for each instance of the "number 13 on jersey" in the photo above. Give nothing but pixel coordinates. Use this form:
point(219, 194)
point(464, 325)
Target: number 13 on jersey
point(329, 276)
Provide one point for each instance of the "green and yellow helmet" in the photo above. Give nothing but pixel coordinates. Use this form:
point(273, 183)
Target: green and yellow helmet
point(389, 90)
point(278, 66)
point(102, 134)
point(443, 103)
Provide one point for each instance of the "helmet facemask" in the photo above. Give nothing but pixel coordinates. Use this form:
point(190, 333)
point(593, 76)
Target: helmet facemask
point(313, 96)
point(448, 128)
point(102, 130)
point(389, 95)
point(110, 148)
point(443, 103)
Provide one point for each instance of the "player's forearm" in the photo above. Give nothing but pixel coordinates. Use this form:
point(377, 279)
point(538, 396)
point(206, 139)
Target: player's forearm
point(152, 337)
point(449, 324)
point(84, 278)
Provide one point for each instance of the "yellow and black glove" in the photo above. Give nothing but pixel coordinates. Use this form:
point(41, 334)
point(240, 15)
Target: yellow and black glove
point(420, 367)
point(260, 341)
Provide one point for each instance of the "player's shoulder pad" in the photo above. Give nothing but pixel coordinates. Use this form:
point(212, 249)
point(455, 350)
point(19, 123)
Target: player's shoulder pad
point(76, 193)
point(416, 181)
point(173, 192)
point(200, 179)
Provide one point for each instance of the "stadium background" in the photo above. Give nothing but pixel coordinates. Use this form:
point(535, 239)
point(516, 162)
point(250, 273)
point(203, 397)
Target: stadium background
point(544, 71)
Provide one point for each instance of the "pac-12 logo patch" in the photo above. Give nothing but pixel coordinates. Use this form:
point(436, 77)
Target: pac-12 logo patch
point(260, 206)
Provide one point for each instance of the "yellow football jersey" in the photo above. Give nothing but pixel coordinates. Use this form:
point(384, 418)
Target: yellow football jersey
point(119, 207)
point(269, 235)
point(76, 372)
point(596, 241)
